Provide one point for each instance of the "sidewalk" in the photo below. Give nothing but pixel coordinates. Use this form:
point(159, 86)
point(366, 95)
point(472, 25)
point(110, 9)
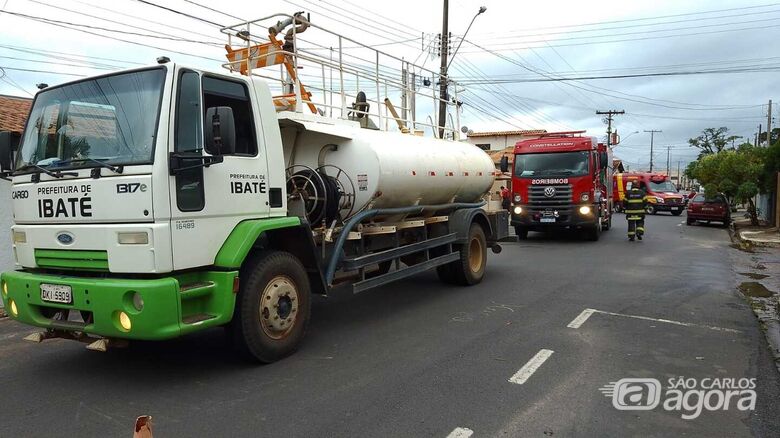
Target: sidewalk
point(757, 264)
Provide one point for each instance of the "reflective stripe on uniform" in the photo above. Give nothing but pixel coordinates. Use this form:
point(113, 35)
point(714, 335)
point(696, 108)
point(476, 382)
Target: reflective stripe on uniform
point(635, 212)
point(634, 218)
point(631, 233)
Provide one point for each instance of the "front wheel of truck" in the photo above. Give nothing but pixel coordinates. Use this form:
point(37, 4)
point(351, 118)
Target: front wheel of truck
point(272, 307)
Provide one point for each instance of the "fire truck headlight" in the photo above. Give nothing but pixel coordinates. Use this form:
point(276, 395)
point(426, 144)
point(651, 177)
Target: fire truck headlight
point(584, 197)
point(517, 199)
point(584, 210)
point(659, 199)
point(518, 210)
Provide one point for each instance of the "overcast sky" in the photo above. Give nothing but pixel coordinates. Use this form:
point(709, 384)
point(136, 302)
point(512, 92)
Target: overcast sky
point(519, 41)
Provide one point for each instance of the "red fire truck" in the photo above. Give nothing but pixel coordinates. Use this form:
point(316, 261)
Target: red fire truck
point(562, 180)
point(662, 194)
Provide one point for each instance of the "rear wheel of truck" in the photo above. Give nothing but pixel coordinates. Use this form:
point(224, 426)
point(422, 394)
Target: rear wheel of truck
point(521, 232)
point(272, 307)
point(470, 268)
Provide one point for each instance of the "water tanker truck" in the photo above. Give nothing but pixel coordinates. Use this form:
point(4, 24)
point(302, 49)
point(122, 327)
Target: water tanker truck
point(160, 201)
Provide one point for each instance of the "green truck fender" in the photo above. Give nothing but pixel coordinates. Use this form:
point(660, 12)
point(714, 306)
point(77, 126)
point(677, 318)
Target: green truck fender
point(289, 234)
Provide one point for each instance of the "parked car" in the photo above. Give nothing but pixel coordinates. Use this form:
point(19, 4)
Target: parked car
point(709, 209)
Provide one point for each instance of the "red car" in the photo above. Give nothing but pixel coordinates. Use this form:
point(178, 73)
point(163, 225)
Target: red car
point(709, 209)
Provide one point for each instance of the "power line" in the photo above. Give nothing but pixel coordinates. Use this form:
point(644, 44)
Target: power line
point(163, 34)
point(184, 14)
point(651, 18)
point(87, 26)
point(29, 70)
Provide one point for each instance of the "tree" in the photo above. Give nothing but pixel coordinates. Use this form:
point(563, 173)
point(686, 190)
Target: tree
point(775, 136)
point(712, 140)
point(737, 173)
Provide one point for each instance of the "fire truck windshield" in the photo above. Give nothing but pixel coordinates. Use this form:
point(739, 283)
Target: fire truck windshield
point(110, 119)
point(553, 164)
point(664, 186)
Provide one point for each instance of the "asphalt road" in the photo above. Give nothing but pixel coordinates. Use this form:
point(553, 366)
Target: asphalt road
point(418, 358)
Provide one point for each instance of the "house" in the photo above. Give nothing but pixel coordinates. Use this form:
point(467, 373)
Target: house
point(498, 140)
point(13, 113)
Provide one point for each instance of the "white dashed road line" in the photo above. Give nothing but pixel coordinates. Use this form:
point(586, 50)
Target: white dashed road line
point(460, 432)
point(585, 314)
point(530, 367)
point(581, 318)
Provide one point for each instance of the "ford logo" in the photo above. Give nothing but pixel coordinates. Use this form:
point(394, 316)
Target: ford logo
point(549, 192)
point(65, 238)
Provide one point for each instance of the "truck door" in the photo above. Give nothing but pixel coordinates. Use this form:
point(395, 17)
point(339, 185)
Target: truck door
point(207, 202)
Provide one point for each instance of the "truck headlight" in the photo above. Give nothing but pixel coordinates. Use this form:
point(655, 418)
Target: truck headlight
point(124, 321)
point(584, 210)
point(20, 237)
point(585, 197)
point(517, 199)
point(518, 209)
point(133, 238)
point(659, 199)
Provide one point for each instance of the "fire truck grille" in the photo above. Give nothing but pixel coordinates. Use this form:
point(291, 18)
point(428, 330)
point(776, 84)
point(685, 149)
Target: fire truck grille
point(538, 199)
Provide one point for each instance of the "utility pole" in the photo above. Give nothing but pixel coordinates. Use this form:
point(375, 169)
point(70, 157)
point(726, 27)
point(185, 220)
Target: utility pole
point(769, 125)
point(443, 98)
point(678, 173)
point(668, 158)
point(609, 115)
point(652, 134)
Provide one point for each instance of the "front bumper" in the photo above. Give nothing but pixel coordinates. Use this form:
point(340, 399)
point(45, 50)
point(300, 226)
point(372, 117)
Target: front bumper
point(100, 300)
point(531, 218)
point(667, 207)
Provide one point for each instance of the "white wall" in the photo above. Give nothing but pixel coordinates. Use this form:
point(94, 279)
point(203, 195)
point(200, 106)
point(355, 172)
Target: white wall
point(6, 256)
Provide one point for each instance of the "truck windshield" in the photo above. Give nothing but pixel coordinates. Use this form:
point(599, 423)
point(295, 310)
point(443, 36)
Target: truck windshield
point(111, 119)
point(563, 163)
point(665, 186)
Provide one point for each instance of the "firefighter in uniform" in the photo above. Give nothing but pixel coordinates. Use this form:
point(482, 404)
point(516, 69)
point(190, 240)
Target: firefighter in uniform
point(634, 206)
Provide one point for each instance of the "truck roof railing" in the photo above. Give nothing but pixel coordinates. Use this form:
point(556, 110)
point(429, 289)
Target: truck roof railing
point(335, 70)
point(562, 134)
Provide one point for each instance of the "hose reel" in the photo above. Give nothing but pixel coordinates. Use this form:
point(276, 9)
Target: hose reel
point(318, 196)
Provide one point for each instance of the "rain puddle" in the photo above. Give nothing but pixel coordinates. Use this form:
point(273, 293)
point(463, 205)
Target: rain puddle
point(754, 289)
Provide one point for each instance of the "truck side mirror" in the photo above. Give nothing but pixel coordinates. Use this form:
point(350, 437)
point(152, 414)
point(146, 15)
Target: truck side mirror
point(220, 132)
point(6, 152)
point(504, 165)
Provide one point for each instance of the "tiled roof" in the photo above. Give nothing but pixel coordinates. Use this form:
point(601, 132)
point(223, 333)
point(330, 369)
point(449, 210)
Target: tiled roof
point(503, 133)
point(13, 113)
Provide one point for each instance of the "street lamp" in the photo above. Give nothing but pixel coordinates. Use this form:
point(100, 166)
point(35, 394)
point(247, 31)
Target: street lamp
point(482, 9)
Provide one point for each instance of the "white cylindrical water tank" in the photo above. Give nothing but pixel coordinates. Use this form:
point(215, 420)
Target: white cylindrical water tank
point(390, 169)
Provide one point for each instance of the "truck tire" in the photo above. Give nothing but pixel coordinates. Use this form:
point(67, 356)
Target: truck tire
point(272, 307)
point(521, 232)
point(650, 209)
point(470, 268)
point(607, 224)
point(593, 233)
